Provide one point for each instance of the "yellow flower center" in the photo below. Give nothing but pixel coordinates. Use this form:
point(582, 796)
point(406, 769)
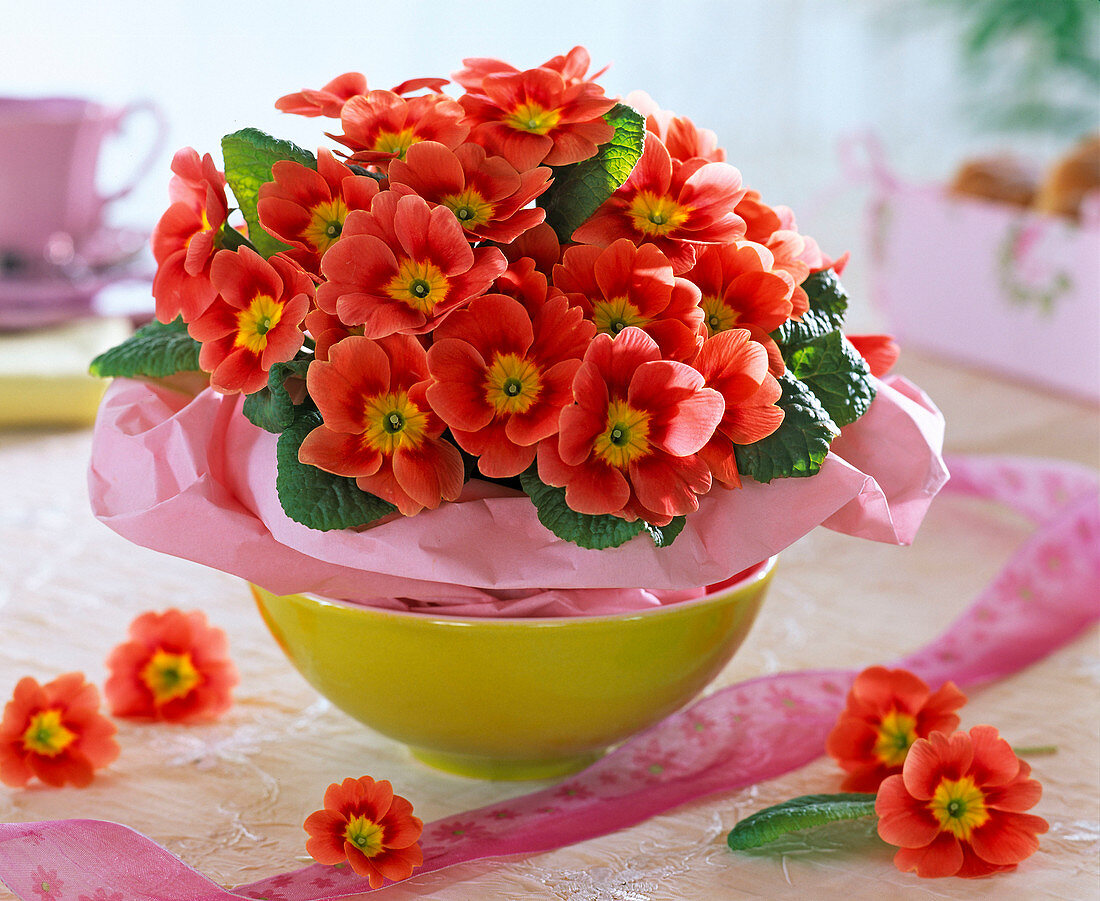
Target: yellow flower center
point(46, 735)
point(364, 834)
point(959, 806)
point(395, 141)
point(896, 734)
point(612, 316)
point(419, 285)
point(533, 118)
point(626, 437)
point(469, 207)
point(255, 321)
point(169, 676)
point(325, 224)
point(394, 421)
point(719, 316)
point(512, 384)
point(656, 214)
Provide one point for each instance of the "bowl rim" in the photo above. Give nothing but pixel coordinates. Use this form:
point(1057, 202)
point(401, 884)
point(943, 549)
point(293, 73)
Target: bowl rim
point(754, 575)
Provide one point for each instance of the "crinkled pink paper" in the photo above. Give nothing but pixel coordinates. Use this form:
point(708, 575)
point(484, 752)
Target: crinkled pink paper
point(197, 480)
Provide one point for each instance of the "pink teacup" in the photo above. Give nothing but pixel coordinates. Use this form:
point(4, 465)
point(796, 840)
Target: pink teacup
point(49, 150)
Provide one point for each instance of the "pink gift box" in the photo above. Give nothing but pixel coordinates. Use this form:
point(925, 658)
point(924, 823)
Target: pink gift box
point(991, 285)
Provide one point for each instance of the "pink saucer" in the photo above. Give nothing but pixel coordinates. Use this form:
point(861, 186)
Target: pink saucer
point(43, 300)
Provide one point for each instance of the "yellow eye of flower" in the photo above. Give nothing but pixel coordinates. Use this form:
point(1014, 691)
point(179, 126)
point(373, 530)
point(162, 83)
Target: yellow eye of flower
point(254, 322)
point(655, 214)
point(365, 835)
point(469, 207)
point(394, 421)
point(325, 224)
point(612, 316)
point(959, 806)
point(419, 285)
point(169, 676)
point(719, 316)
point(533, 118)
point(512, 384)
point(46, 734)
point(896, 733)
point(397, 142)
point(626, 437)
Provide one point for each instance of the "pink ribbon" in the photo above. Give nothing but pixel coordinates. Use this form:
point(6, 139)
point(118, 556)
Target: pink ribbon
point(1047, 594)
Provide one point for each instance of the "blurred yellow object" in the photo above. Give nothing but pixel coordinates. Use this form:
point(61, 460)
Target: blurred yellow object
point(44, 377)
point(512, 698)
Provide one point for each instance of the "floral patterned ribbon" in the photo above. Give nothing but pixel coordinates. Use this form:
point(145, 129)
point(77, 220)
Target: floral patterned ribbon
point(1047, 594)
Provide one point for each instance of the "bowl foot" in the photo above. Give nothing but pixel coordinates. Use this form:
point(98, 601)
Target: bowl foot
point(505, 768)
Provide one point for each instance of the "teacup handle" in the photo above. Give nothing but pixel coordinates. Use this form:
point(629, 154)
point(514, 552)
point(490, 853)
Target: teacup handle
point(141, 106)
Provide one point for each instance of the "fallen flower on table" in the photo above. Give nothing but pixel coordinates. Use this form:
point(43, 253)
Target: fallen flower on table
point(175, 667)
point(55, 732)
point(366, 825)
point(886, 711)
point(957, 808)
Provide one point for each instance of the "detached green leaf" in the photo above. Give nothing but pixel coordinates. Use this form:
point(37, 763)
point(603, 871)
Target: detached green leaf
point(836, 374)
point(153, 351)
point(580, 189)
point(249, 155)
point(828, 306)
point(799, 813)
point(271, 408)
point(319, 499)
point(581, 528)
point(798, 447)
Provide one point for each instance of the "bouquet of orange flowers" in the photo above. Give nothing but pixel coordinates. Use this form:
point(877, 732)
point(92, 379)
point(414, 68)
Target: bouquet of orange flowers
point(533, 284)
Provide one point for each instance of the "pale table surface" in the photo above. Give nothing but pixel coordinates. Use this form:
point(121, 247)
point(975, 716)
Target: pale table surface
point(230, 798)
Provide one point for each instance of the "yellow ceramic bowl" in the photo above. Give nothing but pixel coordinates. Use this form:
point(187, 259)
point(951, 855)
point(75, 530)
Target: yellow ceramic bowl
point(512, 698)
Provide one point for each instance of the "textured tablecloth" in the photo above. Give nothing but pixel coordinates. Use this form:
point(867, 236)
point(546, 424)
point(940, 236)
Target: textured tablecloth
point(230, 798)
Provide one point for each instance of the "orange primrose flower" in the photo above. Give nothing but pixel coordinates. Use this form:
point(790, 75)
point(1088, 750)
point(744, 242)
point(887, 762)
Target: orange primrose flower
point(255, 323)
point(887, 711)
point(381, 126)
point(378, 426)
point(366, 825)
point(572, 67)
point(55, 732)
point(488, 196)
point(403, 267)
point(502, 376)
point(174, 667)
point(632, 285)
point(306, 207)
point(183, 241)
point(957, 808)
point(534, 118)
point(629, 445)
point(674, 205)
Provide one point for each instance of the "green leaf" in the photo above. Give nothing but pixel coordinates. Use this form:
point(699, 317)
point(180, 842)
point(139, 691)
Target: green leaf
point(798, 447)
point(582, 529)
point(249, 155)
point(828, 305)
point(837, 375)
point(153, 351)
point(581, 188)
point(799, 813)
point(271, 408)
point(229, 238)
point(316, 498)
